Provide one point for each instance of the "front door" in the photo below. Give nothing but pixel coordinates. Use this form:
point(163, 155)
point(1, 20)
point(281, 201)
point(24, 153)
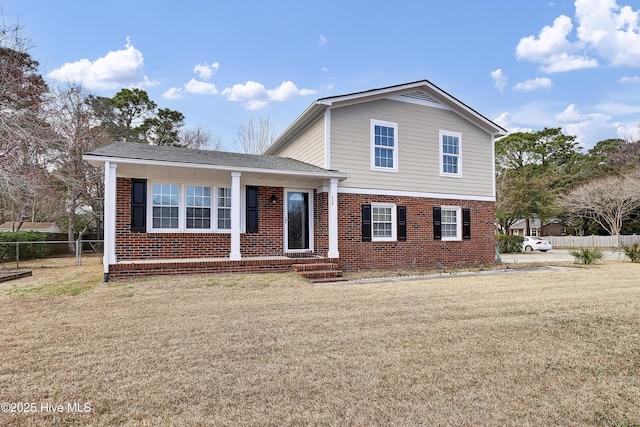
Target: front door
point(298, 213)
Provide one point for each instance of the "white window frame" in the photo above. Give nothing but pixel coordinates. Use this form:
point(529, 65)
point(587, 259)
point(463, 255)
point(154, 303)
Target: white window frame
point(182, 209)
point(458, 211)
point(210, 207)
point(458, 135)
point(394, 222)
point(394, 126)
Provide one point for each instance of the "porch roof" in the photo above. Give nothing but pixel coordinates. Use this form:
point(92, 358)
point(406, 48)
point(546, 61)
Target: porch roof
point(153, 155)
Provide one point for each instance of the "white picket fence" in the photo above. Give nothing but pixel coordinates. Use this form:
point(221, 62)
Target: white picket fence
point(592, 241)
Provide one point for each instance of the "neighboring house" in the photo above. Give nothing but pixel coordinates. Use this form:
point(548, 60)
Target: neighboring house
point(553, 228)
point(397, 177)
point(42, 227)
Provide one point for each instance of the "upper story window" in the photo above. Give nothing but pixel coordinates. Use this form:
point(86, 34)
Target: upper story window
point(450, 153)
point(384, 146)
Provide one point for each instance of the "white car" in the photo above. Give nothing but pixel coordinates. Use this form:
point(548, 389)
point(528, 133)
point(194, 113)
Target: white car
point(535, 244)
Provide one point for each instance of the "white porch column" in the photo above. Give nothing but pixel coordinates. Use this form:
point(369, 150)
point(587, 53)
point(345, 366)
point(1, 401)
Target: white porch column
point(333, 219)
point(109, 257)
point(235, 216)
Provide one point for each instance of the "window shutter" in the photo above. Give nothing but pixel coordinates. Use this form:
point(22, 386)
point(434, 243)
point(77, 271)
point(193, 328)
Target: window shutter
point(366, 223)
point(402, 222)
point(466, 223)
point(139, 205)
point(252, 209)
point(437, 223)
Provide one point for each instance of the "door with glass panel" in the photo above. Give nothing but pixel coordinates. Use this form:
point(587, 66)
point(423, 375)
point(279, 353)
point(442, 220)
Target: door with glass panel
point(298, 213)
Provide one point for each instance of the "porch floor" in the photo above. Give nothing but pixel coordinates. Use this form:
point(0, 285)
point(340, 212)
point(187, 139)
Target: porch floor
point(152, 267)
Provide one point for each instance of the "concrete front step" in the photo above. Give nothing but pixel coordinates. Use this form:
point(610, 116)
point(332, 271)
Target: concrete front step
point(321, 272)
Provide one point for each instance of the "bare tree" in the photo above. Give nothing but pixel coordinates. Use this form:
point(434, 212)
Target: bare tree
point(256, 136)
point(25, 183)
point(200, 137)
point(608, 201)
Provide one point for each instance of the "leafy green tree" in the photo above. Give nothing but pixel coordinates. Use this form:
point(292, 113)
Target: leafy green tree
point(532, 169)
point(164, 128)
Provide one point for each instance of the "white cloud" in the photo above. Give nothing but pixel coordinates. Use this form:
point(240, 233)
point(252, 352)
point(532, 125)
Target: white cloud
point(588, 128)
point(322, 41)
point(206, 71)
point(499, 78)
point(629, 132)
point(505, 121)
point(172, 93)
point(629, 79)
point(114, 70)
point(534, 84)
point(256, 96)
point(201, 88)
point(604, 28)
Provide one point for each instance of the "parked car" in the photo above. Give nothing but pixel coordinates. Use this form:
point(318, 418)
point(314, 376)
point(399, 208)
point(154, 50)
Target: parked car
point(535, 244)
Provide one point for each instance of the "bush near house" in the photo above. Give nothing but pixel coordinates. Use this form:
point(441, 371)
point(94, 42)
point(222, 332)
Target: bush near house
point(509, 244)
point(26, 250)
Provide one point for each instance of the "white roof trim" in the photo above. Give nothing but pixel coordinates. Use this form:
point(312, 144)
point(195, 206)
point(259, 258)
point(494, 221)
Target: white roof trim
point(120, 160)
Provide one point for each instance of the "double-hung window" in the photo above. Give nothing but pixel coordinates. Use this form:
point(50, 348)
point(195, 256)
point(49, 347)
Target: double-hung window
point(198, 207)
point(451, 223)
point(224, 208)
point(384, 146)
point(182, 207)
point(450, 153)
point(383, 221)
point(166, 205)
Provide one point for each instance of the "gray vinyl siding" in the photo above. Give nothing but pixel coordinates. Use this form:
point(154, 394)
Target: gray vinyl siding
point(418, 149)
point(309, 146)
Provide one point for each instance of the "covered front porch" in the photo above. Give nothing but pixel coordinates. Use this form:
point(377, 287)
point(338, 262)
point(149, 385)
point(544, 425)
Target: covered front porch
point(257, 213)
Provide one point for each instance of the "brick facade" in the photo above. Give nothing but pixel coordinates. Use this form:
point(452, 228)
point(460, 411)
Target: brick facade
point(420, 250)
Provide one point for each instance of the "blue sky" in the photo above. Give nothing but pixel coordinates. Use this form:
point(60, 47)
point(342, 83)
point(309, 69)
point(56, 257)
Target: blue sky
point(525, 65)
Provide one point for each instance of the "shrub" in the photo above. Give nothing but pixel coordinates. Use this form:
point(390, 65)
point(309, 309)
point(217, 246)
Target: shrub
point(509, 244)
point(27, 250)
point(632, 252)
point(586, 255)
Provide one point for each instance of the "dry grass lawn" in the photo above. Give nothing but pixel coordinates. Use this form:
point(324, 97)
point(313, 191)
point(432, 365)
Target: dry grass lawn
point(536, 347)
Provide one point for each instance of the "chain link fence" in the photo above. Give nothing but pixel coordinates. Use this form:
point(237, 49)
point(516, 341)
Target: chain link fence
point(13, 253)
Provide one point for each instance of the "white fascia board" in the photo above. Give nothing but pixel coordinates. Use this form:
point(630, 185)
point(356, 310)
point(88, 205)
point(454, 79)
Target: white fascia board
point(142, 162)
point(421, 195)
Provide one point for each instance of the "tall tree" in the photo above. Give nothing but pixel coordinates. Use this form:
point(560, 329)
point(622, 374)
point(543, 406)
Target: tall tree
point(532, 169)
point(72, 117)
point(24, 135)
point(163, 128)
point(255, 136)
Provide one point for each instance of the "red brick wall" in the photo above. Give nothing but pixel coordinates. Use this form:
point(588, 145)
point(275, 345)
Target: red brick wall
point(136, 246)
point(420, 249)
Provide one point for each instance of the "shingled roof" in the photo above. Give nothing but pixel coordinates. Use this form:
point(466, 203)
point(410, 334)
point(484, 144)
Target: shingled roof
point(138, 151)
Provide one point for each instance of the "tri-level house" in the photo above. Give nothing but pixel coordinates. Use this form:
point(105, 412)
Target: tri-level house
point(396, 177)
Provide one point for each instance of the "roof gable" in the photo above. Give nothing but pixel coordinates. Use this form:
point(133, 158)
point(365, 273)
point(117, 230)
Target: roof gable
point(421, 92)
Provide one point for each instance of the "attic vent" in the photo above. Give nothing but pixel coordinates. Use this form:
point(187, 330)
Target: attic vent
point(421, 96)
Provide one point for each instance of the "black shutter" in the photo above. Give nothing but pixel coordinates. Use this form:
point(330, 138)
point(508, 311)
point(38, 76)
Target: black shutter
point(402, 222)
point(139, 205)
point(466, 223)
point(252, 209)
point(437, 223)
point(366, 223)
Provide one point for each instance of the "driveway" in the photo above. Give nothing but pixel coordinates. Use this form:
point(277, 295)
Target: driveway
point(554, 255)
